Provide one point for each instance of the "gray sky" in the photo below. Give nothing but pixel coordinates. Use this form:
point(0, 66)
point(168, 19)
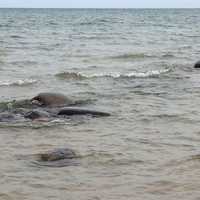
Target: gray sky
point(101, 3)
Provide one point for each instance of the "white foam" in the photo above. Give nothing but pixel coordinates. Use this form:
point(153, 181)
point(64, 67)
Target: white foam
point(18, 82)
point(153, 73)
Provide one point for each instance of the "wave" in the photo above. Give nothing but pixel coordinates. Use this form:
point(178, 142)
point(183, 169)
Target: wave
point(168, 55)
point(94, 22)
point(129, 56)
point(70, 75)
point(52, 23)
point(153, 73)
point(16, 37)
point(86, 23)
point(18, 82)
point(81, 76)
point(132, 56)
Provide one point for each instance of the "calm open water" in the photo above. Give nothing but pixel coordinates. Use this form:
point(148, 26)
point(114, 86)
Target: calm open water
point(135, 64)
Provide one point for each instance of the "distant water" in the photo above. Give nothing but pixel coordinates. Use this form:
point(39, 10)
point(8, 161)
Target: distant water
point(134, 63)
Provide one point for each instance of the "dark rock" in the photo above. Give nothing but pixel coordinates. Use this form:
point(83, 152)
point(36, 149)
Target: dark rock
point(57, 154)
point(197, 64)
point(36, 114)
point(81, 111)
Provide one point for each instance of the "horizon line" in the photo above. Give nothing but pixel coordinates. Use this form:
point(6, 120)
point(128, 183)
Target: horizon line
point(99, 8)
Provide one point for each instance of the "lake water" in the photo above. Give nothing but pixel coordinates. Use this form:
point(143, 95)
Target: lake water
point(136, 64)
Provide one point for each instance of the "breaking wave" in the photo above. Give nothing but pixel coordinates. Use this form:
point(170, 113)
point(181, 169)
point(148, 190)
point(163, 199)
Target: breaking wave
point(81, 76)
point(18, 82)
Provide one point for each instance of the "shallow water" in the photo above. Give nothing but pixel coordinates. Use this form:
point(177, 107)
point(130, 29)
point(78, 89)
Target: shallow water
point(135, 64)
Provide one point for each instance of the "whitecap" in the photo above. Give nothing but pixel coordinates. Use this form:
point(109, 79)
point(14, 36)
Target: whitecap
point(80, 76)
point(153, 73)
point(18, 82)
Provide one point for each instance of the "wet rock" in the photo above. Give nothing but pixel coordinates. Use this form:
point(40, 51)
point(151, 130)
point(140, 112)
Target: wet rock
point(57, 154)
point(36, 114)
point(51, 99)
point(80, 111)
point(197, 64)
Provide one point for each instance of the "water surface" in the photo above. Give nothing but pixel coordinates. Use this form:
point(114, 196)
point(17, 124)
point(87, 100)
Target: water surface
point(135, 64)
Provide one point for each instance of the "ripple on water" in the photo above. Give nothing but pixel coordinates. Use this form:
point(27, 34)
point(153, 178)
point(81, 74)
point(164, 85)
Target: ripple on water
point(148, 148)
point(131, 56)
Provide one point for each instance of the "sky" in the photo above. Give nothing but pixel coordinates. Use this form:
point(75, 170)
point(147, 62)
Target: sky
point(100, 3)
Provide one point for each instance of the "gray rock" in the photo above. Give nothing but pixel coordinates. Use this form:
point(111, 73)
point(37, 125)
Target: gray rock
point(36, 114)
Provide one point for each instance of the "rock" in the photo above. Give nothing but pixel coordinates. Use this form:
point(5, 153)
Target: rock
point(197, 64)
point(57, 154)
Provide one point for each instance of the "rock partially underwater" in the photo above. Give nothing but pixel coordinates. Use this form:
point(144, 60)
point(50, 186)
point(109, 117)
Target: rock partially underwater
point(81, 111)
point(57, 154)
point(61, 157)
point(36, 114)
point(44, 107)
point(51, 100)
